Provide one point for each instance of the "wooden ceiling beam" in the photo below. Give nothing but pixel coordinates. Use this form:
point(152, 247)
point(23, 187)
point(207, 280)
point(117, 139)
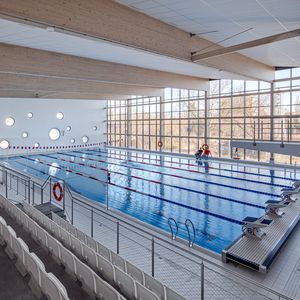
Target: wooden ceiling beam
point(255, 43)
point(38, 86)
point(110, 21)
point(28, 61)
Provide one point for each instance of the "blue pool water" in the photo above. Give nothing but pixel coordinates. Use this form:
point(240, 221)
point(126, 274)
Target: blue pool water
point(215, 196)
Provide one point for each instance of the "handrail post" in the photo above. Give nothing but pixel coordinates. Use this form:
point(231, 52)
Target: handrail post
point(92, 223)
point(33, 190)
point(202, 281)
point(42, 194)
point(29, 191)
point(64, 197)
point(72, 211)
point(6, 190)
point(118, 237)
point(281, 145)
point(50, 190)
point(152, 257)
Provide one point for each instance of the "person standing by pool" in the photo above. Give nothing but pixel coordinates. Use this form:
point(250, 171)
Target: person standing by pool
point(108, 177)
point(198, 155)
point(206, 151)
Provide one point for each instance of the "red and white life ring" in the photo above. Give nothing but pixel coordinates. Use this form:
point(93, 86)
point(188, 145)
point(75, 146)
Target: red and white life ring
point(160, 144)
point(58, 197)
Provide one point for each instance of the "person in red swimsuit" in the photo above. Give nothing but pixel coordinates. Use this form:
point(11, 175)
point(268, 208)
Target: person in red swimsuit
point(206, 151)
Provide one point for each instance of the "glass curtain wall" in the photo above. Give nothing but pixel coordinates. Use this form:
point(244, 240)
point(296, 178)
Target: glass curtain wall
point(232, 109)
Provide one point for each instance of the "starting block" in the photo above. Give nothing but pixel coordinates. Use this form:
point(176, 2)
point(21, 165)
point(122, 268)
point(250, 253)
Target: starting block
point(289, 193)
point(252, 226)
point(273, 207)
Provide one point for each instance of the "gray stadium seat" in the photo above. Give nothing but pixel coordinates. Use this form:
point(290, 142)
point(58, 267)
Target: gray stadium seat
point(54, 246)
point(54, 229)
point(135, 272)
point(171, 295)
point(155, 286)
point(102, 250)
point(81, 236)
point(104, 291)
point(19, 246)
point(76, 245)
point(86, 276)
point(35, 268)
point(2, 224)
point(72, 229)
point(53, 288)
point(42, 236)
point(8, 234)
point(68, 260)
point(145, 294)
point(32, 227)
point(125, 283)
point(90, 256)
point(91, 243)
point(64, 237)
point(106, 269)
point(118, 261)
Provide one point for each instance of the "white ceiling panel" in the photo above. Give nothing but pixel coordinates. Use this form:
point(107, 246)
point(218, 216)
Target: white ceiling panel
point(230, 17)
point(49, 40)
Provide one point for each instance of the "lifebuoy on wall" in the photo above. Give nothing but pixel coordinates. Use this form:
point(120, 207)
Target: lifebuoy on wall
point(58, 197)
point(160, 144)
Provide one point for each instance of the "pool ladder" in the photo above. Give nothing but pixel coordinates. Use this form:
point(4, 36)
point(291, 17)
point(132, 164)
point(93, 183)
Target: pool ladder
point(174, 233)
point(192, 237)
point(188, 225)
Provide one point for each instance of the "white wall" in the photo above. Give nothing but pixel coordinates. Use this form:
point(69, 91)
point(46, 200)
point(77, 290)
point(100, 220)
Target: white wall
point(81, 115)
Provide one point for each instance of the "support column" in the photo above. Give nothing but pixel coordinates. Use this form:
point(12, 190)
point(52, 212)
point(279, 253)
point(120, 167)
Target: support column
point(205, 115)
point(128, 123)
point(161, 125)
point(272, 119)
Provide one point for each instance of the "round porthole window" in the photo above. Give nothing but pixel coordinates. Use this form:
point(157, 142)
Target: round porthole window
point(69, 128)
point(25, 134)
point(36, 145)
point(9, 121)
point(72, 141)
point(4, 144)
point(60, 116)
point(85, 139)
point(30, 115)
point(95, 128)
point(54, 134)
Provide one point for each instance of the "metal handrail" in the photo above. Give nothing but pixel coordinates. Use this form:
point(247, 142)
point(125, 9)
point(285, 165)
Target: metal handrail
point(15, 171)
point(45, 182)
point(197, 258)
point(187, 223)
point(172, 232)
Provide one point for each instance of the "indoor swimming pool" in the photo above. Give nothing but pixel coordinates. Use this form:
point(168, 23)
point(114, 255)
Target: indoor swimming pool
point(215, 196)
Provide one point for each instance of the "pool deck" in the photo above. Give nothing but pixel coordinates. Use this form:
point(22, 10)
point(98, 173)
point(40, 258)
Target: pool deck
point(259, 254)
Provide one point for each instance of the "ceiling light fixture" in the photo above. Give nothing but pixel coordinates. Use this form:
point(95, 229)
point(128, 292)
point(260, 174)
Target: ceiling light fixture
point(205, 32)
